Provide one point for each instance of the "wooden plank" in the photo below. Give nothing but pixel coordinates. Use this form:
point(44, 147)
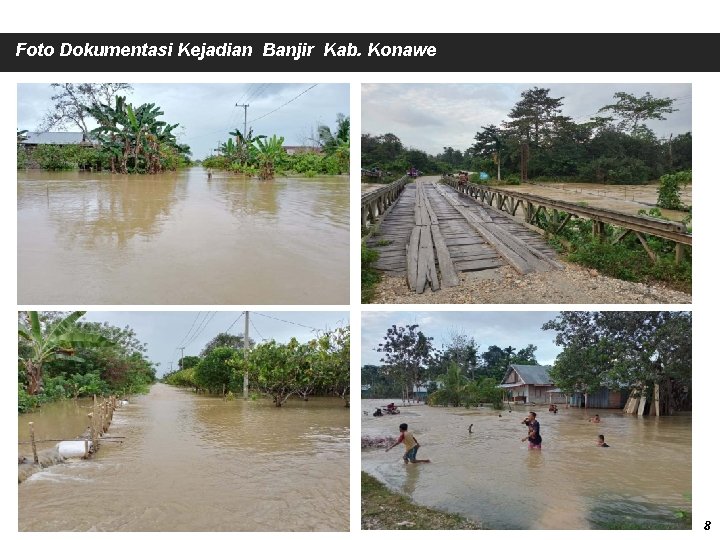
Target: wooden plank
point(449, 277)
point(412, 257)
point(426, 262)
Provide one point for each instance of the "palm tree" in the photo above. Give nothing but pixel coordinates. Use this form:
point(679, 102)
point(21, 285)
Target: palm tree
point(49, 342)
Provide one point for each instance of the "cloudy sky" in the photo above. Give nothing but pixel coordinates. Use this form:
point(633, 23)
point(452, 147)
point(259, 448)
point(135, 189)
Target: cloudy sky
point(502, 328)
point(165, 331)
point(207, 112)
point(431, 116)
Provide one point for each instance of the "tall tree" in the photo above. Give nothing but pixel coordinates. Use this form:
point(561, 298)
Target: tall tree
point(70, 103)
point(535, 115)
point(407, 351)
point(632, 110)
point(223, 339)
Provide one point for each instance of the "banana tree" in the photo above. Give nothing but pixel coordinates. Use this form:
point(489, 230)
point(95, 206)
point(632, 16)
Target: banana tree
point(268, 151)
point(45, 343)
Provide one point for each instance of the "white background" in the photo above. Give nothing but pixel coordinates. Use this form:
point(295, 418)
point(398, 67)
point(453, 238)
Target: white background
point(422, 18)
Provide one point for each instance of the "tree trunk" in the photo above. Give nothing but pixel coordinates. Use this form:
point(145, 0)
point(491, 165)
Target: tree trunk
point(34, 377)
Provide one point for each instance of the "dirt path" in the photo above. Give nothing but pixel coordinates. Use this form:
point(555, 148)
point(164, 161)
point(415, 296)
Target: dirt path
point(573, 285)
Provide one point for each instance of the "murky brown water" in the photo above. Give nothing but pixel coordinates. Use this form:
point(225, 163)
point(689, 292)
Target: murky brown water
point(491, 476)
point(179, 238)
point(191, 463)
point(628, 199)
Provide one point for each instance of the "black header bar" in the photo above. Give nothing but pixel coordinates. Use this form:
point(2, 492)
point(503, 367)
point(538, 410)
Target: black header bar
point(360, 52)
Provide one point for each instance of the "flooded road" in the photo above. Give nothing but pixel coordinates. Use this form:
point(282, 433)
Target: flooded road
point(179, 238)
point(194, 463)
point(491, 476)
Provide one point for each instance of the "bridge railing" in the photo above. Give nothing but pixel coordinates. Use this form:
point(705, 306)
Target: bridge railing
point(533, 206)
point(375, 203)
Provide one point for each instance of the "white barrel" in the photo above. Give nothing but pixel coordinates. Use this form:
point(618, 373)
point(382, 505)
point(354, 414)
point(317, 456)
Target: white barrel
point(72, 449)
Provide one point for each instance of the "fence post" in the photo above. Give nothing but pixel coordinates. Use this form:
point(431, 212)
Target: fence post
point(32, 442)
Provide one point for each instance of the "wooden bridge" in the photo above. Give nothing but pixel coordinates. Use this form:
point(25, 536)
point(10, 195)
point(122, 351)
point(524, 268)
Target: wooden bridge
point(431, 233)
point(560, 213)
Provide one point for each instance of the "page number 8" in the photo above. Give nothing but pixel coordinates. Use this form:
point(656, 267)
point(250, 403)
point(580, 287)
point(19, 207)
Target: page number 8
point(707, 526)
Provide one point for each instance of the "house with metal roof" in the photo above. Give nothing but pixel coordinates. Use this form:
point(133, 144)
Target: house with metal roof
point(57, 138)
point(530, 384)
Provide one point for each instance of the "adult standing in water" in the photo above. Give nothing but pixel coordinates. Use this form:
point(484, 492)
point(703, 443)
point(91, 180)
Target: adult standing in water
point(534, 439)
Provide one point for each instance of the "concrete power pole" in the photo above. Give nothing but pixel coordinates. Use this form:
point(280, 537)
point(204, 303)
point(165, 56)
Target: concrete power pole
point(182, 355)
point(244, 106)
point(246, 349)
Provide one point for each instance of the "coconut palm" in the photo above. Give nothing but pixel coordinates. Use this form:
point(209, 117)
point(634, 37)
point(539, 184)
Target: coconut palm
point(44, 343)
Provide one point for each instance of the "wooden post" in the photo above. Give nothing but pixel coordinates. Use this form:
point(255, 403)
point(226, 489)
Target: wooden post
point(32, 442)
point(87, 449)
point(679, 252)
point(93, 431)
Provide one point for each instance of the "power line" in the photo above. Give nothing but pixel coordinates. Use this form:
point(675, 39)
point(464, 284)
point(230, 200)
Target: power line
point(182, 341)
point(202, 328)
point(284, 104)
point(288, 322)
point(256, 330)
point(233, 323)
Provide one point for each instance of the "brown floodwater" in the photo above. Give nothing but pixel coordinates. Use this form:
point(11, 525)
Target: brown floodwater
point(491, 476)
point(197, 463)
point(628, 199)
point(179, 238)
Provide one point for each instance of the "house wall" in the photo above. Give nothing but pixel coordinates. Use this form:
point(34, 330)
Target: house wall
point(602, 399)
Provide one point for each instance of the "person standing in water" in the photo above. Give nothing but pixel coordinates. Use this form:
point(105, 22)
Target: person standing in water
point(601, 441)
point(534, 439)
point(411, 446)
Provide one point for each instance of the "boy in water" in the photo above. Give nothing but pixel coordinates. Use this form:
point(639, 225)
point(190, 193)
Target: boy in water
point(411, 445)
point(534, 439)
point(601, 441)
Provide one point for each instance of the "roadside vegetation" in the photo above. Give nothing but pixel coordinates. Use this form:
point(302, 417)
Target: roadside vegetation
point(263, 156)
point(320, 367)
point(61, 357)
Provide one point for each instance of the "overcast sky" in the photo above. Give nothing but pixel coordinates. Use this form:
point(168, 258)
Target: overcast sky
point(207, 112)
point(431, 116)
point(165, 331)
point(502, 328)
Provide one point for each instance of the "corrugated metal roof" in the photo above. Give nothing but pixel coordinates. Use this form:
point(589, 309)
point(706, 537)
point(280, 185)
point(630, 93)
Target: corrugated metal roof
point(531, 374)
point(54, 137)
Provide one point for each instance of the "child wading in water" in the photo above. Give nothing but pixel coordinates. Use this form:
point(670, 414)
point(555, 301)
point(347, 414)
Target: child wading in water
point(601, 441)
point(534, 439)
point(411, 446)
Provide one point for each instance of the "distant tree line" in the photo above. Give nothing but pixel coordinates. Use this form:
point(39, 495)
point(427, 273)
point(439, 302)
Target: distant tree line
point(458, 374)
point(615, 146)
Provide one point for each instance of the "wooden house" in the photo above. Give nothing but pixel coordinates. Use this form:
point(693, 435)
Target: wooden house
point(530, 384)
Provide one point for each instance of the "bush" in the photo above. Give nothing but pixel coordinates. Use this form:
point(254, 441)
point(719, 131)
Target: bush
point(613, 170)
point(26, 402)
point(669, 190)
point(369, 277)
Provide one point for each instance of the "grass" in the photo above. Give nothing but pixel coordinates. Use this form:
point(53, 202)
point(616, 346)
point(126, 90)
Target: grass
point(369, 277)
point(383, 509)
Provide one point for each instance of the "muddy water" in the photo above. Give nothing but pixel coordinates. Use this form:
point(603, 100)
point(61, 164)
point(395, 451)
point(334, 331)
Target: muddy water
point(179, 238)
point(192, 463)
point(628, 199)
point(491, 476)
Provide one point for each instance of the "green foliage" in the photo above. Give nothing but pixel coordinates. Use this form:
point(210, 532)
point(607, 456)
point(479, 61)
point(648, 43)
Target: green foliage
point(369, 277)
point(407, 352)
point(635, 349)
point(26, 402)
point(184, 377)
point(669, 190)
point(614, 170)
point(215, 370)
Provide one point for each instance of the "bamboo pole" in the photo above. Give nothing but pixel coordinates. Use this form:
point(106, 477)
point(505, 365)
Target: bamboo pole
point(32, 441)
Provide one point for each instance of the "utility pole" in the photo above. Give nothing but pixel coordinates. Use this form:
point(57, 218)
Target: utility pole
point(244, 106)
point(182, 355)
point(246, 350)
point(218, 149)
